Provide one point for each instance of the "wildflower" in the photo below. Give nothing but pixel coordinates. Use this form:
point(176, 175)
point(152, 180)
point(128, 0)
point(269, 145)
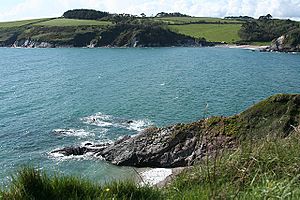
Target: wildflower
point(107, 190)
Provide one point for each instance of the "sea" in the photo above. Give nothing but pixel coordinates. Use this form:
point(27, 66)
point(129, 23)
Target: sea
point(53, 98)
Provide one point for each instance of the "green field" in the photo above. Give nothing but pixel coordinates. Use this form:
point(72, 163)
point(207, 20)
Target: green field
point(211, 32)
point(182, 20)
point(73, 22)
point(21, 23)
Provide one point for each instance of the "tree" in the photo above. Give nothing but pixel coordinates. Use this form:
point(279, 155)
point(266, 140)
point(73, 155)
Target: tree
point(269, 16)
point(143, 15)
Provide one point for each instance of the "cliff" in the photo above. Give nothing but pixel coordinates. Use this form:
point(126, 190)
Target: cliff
point(118, 35)
point(289, 42)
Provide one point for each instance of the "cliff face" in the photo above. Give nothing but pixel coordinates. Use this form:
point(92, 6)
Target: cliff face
point(185, 144)
point(119, 35)
point(289, 42)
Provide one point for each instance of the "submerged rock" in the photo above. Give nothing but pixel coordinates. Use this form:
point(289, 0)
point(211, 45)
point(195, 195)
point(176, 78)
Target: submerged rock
point(185, 144)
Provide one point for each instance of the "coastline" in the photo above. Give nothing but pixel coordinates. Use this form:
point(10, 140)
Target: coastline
point(247, 47)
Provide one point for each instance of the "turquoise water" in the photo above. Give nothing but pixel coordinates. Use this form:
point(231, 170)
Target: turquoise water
point(49, 97)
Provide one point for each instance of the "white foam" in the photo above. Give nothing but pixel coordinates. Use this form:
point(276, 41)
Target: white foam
point(99, 119)
point(60, 157)
point(107, 121)
point(155, 176)
point(139, 125)
point(73, 132)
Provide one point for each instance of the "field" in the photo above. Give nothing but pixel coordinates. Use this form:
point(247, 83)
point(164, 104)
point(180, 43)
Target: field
point(53, 22)
point(73, 22)
point(211, 32)
point(182, 20)
point(21, 23)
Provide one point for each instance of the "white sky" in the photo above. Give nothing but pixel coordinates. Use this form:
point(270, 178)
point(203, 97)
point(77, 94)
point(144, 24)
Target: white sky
point(28, 9)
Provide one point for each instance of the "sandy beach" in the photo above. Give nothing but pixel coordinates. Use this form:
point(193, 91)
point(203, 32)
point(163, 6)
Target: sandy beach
point(248, 47)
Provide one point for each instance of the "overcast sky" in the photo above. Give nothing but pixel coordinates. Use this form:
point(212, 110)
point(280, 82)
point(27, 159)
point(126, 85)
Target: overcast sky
point(28, 9)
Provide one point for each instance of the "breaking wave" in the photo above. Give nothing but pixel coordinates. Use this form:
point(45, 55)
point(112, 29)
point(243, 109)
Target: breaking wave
point(107, 121)
point(73, 132)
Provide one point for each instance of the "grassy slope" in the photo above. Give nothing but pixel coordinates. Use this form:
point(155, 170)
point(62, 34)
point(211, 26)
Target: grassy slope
point(178, 20)
point(211, 32)
point(73, 22)
point(53, 22)
point(21, 23)
point(265, 169)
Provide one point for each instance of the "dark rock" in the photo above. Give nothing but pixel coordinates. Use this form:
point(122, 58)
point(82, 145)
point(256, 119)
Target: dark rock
point(76, 151)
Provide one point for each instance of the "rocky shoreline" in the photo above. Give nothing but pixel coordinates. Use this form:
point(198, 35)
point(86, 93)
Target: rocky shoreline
point(183, 145)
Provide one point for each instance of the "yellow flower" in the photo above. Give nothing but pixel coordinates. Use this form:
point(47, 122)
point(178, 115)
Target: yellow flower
point(107, 190)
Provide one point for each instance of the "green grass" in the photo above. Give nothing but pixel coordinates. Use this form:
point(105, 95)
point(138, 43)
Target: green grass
point(211, 32)
point(33, 184)
point(21, 23)
point(266, 169)
point(73, 22)
point(179, 20)
point(261, 43)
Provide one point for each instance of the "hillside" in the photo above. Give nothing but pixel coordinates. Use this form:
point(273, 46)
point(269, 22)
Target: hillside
point(89, 25)
point(259, 161)
point(90, 28)
point(62, 32)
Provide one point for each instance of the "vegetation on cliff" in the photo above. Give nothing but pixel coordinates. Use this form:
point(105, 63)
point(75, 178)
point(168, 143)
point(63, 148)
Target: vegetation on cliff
point(230, 30)
point(266, 29)
point(85, 14)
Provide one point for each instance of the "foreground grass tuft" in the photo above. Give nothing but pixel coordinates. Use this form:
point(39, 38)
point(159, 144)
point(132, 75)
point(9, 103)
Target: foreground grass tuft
point(33, 184)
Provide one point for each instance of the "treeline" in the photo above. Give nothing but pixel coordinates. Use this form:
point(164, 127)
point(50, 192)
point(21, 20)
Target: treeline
point(266, 29)
point(95, 15)
point(242, 18)
point(175, 14)
point(85, 14)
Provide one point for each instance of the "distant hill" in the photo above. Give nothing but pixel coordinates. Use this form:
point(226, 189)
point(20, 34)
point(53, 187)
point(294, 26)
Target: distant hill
point(91, 28)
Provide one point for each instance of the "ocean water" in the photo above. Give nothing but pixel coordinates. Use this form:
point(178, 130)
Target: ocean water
point(51, 98)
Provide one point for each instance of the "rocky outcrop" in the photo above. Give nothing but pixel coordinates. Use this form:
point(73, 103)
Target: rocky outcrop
point(289, 42)
point(175, 146)
point(28, 43)
point(185, 144)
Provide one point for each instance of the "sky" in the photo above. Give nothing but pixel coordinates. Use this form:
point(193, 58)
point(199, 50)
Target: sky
point(28, 9)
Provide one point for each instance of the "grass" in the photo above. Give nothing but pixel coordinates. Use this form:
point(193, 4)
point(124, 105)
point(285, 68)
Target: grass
point(261, 43)
point(22, 23)
point(264, 169)
point(181, 20)
point(211, 32)
point(73, 22)
point(257, 170)
point(33, 184)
